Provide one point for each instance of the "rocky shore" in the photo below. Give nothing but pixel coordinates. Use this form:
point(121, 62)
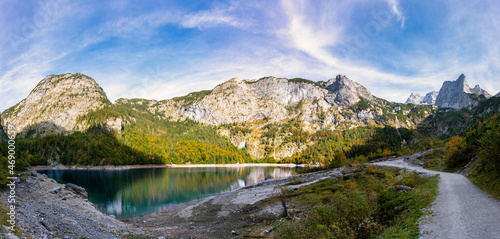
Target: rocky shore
point(47, 209)
point(248, 212)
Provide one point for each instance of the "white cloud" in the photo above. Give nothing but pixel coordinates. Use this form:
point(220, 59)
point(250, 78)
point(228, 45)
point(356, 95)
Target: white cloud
point(219, 15)
point(315, 39)
point(395, 9)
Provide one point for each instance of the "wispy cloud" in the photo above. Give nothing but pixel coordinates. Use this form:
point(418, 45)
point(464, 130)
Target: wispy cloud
point(378, 44)
point(394, 6)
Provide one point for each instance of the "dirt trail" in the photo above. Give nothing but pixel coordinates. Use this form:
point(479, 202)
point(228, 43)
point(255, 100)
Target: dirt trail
point(461, 210)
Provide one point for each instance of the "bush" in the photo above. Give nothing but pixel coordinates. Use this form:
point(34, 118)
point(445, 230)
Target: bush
point(363, 205)
point(456, 153)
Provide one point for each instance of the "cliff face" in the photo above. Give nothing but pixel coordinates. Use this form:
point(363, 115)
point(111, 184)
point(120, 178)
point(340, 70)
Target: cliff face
point(55, 104)
point(339, 103)
point(270, 98)
point(457, 94)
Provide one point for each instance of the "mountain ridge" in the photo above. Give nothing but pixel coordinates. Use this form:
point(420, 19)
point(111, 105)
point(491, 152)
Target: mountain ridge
point(260, 105)
point(452, 94)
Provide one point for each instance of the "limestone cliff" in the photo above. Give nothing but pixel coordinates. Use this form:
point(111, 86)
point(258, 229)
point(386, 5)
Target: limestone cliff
point(55, 104)
point(255, 105)
point(453, 94)
point(457, 94)
point(272, 99)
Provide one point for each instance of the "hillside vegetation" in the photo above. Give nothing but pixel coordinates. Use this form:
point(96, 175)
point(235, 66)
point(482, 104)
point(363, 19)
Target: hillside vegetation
point(370, 203)
point(478, 147)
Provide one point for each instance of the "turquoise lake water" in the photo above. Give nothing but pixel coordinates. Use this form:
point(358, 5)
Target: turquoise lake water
point(134, 192)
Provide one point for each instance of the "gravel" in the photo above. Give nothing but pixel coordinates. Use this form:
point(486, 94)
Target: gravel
point(461, 210)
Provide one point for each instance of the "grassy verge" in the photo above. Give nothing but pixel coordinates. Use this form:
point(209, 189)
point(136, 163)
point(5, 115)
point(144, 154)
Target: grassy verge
point(370, 203)
point(3, 222)
point(435, 160)
point(489, 182)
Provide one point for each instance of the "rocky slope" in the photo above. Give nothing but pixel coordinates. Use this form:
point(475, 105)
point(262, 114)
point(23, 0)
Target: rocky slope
point(47, 209)
point(316, 104)
point(269, 103)
point(453, 94)
point(457, 94)
point(55, 104)
point(270, 98)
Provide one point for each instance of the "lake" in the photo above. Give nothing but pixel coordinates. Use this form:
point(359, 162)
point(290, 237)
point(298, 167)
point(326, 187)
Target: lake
point(134, 192)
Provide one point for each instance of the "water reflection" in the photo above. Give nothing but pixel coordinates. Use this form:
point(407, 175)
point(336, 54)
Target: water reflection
point(134, 192)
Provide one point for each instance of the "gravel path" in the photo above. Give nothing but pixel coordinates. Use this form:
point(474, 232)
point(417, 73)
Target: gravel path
point(461, 210)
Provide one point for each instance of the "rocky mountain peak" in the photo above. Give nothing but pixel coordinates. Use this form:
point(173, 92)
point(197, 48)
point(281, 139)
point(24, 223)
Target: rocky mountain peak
point(56, 103)
point(418, 99)
point(346, 91)
point(415, 98)
point(457, 94)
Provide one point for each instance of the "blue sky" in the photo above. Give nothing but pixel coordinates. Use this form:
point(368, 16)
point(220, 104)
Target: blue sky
point(163, 49)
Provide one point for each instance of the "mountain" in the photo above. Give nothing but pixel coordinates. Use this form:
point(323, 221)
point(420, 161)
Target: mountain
point(457, 94)
point(264, 116)
point(55, 104)
point(453, 94)
point(321, 104)
point(270, 98)
point(418, 99)
point(269, 117)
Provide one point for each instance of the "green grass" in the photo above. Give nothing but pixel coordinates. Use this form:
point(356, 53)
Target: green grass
point(193, 97)
point(435, 160)
point(488, 181)
point(3, 221)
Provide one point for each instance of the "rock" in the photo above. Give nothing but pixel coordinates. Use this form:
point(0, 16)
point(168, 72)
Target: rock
point(346, 91)
point(55, 190)
point(430, 98)
point(275, 99)
point(415, 98)
point(418, 99)
point(9, 234)
point(403, 188)
point(457, 94)
point(55, 104)
point(77, 189)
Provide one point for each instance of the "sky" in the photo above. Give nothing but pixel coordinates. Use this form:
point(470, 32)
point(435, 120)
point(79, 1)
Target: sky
point(163, 49)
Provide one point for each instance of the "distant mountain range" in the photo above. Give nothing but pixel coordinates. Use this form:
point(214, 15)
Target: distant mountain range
point(65, 103)
point(453, 94)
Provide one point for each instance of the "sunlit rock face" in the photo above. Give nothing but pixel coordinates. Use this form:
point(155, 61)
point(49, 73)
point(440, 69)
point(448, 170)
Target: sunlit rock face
point(271, 98)
point(457, 94)
point(56, 103)
point(453, 94)
point(418, 99)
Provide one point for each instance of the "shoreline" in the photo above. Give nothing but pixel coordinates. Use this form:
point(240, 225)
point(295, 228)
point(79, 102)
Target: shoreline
point(127, 167)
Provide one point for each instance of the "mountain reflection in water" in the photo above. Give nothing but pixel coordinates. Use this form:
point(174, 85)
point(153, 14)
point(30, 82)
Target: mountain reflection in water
point(134, 192)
